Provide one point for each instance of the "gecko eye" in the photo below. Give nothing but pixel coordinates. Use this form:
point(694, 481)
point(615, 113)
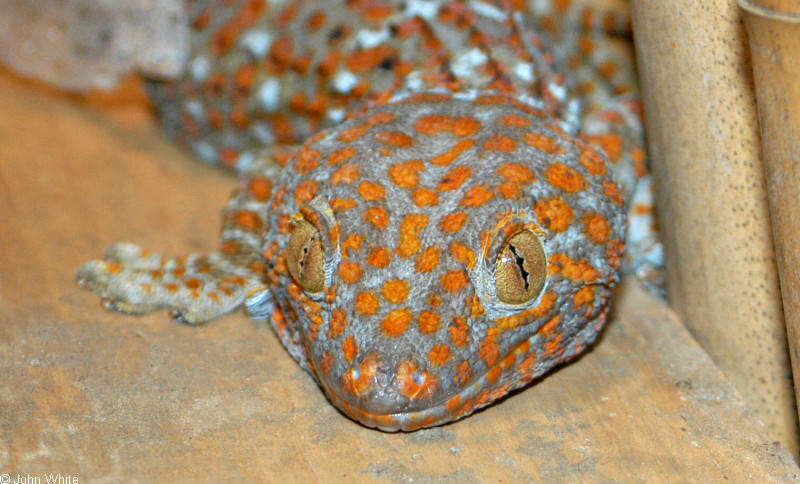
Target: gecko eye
point(305, 256)
point(521, 269)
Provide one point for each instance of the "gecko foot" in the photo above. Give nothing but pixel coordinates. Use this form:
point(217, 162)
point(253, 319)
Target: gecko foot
point(195, 288)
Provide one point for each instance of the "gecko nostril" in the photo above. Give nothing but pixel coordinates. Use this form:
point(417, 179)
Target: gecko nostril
point(383, 390)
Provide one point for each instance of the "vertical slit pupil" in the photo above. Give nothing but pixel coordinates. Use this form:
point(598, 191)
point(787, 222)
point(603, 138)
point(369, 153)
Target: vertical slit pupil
point(520, 261)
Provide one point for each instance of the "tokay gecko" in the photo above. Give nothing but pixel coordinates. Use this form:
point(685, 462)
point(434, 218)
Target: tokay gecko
point(434, 195)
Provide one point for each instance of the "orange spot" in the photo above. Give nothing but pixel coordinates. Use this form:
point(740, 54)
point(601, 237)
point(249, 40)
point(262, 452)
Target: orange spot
point(367, 303)
point(352, 241)
point(489, 351)
point(349, 271)
point(515, 172)
point(542, 142)
point(596, 228)
point(412, 384)
point(192, 283)
point(564, 177)
point(408, 242)
point(439, 355)
point(453, 403)
point(433, 300)
point(346, 174)
point(379, 257)
point(341, 204)
point(326, 363)
point(371, 191)
point(499, 143)
point(452, 222)
point(306, 159)
point(544, 308)
point(227, 156)
point(395, 138)
point(477, 196)
point(463, 373)
point(448, 156)
point(584, 295)
point(554, 214)
point(305, 191)
point(475, 306)
point(348, 135)
point(349, 349)
point(610, 143)
point(553, 346)
point(395, 291)
point(452, 281)
point(551, 326)
point(341, 155)
point(337, 323)
point(612, 192)
point(462, 254)
point(638, 162)
point(376, 216)
point(396, 322)
point(247, 220)
point(493, 374)
point(363, 60)
point(516, 175)
point(509, 360)
point(614, 253)
point(315, 20)
point(260, 188)
point(405, 174)
point(432, 124)
point(592, 161)
point(428, 322)
point(454, 178)
point(607, 69)
point(379, 118)
point(423, 197)
point(427, 260)
point(515, 121)
point(572, 269)
point(366, 376)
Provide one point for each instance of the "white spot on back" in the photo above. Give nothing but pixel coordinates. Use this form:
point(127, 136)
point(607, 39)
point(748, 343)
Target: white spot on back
point(465, 65)
point(199, 68)
point(336, 115)
point(524, 71)
point(488, 11)
point(256, 42)
point(370, 38)
point(268, 94)
point(424, 8)
point(194, 108)
point(343, 81)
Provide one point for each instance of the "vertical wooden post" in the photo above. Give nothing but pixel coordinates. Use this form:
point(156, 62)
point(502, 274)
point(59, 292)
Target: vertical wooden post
point(704, 145)
point(773, 28)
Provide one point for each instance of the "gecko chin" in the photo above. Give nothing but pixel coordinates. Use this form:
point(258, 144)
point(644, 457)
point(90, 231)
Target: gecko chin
point(437, 253)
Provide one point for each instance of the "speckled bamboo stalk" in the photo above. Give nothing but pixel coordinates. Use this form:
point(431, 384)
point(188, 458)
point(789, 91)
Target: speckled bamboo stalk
point(773, 28)
point(702, 130)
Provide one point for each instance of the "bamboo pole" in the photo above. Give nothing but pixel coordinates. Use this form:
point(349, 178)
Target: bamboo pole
point(703, 139)
point(773, 28)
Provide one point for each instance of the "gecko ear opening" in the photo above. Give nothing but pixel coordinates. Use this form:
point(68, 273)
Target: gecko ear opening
point(305, 256)
point(521, 268)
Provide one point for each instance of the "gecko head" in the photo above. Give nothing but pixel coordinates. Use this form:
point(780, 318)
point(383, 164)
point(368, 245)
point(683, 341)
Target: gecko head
point(436, 253)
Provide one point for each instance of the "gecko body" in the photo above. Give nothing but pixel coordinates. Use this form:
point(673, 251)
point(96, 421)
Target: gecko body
point(431, 214)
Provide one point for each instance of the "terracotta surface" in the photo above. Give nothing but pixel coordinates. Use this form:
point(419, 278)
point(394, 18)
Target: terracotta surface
point(703, 140)
point(106, 397)
point(774, 37)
